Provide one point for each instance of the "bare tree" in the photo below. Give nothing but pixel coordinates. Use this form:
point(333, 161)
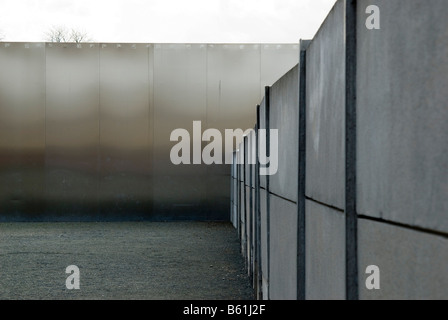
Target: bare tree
point(56, 34)
point(62, 34)
point(79, 36)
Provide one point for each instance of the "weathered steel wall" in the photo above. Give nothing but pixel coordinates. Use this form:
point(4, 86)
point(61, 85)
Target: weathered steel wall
point(85, 128)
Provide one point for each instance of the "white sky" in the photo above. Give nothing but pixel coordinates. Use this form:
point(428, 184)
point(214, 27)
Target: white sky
point(164, 21)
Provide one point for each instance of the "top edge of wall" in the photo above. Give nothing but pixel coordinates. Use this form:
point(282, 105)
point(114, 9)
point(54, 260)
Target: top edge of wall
point(331, 12)
point(285, 76)
point(265, 45)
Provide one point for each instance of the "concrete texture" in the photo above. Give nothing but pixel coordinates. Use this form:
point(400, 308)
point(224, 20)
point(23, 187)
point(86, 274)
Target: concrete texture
point(253, 227)
point(301, 261)
point(264, 243)
point(325, 253)
point(403, 115)
point(240, 166)
point(389, 207)
point(325, 146)
point(248, 229)
point(247, 159)
point(122, 261)
point(412, 264)
point(263, 126)
point(285, 118)
point(242, 218)
point(234, 202)
point(252, 158)
point(283, 249)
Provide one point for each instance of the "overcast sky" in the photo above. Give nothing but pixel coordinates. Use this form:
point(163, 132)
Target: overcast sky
point(164, 21)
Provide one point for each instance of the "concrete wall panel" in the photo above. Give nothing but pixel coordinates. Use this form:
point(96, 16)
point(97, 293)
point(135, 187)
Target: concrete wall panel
point(402, 114)
point(283, 249)
point(412, 264)
point(248, 229)
point(264, 243)
point(285, 118)
point(325, 103)
point(325, 253)
point(262, 126)
point(243, 220)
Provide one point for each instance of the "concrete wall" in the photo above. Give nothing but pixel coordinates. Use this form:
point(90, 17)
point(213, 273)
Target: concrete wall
point(371, 106)
point(284, 118)
point(325, 252)
point(402, 151)
point(325, 101)
point(403, 169)
point(283, 249)
point(413, 264)
point(325, 160)
point(276, 210)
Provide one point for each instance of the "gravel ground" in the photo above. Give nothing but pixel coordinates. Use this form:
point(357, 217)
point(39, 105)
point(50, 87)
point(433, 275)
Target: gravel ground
point(138, 260)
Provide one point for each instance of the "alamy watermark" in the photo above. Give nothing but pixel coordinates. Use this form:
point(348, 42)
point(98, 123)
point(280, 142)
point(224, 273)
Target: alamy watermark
point(72, 281)
point(189, 149)
point(373, 280)
point(373, 20)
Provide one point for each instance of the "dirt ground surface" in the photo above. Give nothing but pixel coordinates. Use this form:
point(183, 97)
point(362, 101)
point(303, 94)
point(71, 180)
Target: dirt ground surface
point(124, 260)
